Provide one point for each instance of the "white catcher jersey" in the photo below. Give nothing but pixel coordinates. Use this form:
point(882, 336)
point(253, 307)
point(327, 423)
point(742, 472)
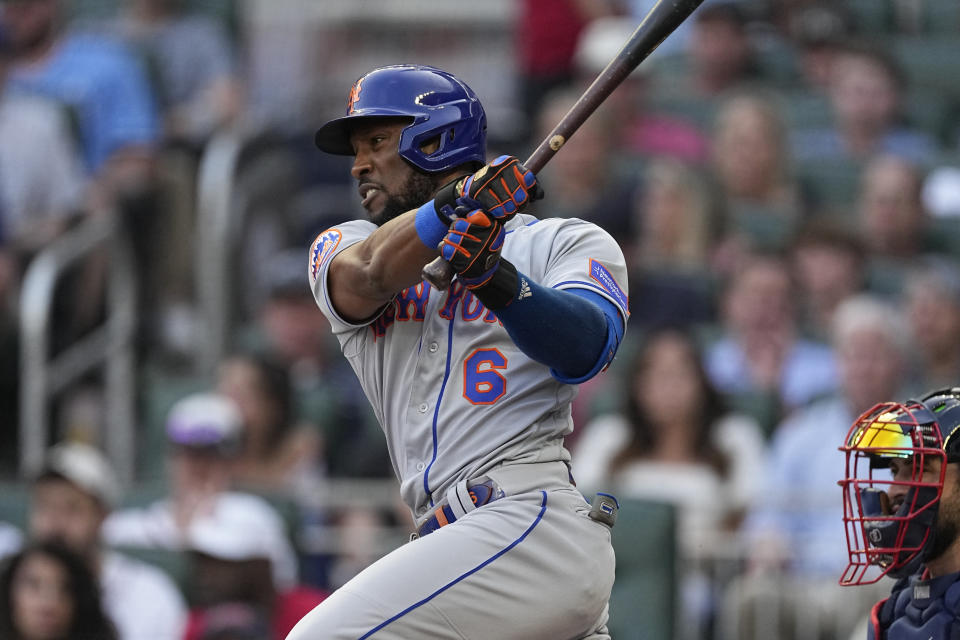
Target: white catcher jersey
point(454, 395)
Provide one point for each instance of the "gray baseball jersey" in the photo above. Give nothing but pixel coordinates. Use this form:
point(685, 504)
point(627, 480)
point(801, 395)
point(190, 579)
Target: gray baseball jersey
point(452, 392)
point(457, 401)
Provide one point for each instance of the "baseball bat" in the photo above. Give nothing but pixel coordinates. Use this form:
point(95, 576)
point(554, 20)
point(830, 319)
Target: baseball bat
point(660, 22)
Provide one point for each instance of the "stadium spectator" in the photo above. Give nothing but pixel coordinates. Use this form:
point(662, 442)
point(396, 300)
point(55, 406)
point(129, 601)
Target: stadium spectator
point(758, 360)
point(819, 30)
point(325, 389)
point(866, 92)
point(104, 85)
point(204, 433)
point(11, 539)
point(70, 500)
point(47, 591)
point(795, 535)
point(584, 177)
point(546, 38)
point(891, 219)
point(230, 576)
point(278, 454)
point(642, 130)
point(675, 442)
point(829, 265)
point(719, 56)
point(750, 159)
point(932, 302)
point(42, 182)
point(197, 82)
point(675, 227)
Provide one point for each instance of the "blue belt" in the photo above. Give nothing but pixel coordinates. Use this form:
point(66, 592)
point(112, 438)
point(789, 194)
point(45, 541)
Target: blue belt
point(481, 493)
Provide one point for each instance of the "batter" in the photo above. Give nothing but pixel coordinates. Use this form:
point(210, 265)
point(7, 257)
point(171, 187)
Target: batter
point(471, 385)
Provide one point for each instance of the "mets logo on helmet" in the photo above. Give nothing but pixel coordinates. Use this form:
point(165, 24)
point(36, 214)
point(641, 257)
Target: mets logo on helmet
point(354, 96)
point(321, 251)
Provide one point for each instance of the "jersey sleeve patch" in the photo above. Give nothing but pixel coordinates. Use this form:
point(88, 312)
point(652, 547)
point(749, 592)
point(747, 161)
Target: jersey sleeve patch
point(606, 280)
point(322, 250)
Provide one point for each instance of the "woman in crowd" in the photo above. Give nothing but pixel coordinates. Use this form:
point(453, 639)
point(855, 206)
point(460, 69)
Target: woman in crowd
point(277, 454)
point(49, 593)
point(675, 442)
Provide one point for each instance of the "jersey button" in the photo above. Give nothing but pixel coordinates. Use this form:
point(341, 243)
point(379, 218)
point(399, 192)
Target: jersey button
point(423, 407)
point(421, 466)
point(433, 347)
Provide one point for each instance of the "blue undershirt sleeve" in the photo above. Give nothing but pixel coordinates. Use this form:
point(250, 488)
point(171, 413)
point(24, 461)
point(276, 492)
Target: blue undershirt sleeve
point(575, 332)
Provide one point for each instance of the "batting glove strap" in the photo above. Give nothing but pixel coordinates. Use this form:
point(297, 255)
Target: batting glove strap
point(445, 202)
point(500, 288)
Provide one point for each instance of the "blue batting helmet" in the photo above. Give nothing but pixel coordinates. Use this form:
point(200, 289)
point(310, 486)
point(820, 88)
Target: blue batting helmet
point(438, 104)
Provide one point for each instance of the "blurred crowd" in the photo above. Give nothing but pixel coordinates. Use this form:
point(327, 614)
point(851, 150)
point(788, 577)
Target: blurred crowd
point(784, 179)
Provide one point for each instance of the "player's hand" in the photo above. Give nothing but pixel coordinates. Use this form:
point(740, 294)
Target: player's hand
point(502, 188)
point(472, 246)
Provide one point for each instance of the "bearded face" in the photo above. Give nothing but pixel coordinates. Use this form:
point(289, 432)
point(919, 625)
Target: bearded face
point(417, 189)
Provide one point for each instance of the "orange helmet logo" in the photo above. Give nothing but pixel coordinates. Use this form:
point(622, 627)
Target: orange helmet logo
point(354, 96)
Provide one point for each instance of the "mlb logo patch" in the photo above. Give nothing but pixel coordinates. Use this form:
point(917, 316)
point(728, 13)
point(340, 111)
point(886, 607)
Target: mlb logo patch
point(322, 250)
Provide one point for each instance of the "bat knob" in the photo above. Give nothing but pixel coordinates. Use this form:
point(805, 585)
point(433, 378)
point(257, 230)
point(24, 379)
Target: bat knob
point(438, 273)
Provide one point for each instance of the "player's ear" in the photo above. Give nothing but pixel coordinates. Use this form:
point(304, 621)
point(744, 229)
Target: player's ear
point(431, 145)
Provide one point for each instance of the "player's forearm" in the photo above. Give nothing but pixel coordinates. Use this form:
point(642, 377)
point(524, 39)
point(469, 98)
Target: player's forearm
point(575, 333)
point(368, 274)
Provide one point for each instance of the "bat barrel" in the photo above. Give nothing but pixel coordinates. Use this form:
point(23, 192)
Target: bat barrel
point(660, 22)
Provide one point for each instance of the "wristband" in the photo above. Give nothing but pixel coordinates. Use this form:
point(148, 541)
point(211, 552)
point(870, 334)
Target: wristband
point(430, 226)
point(500, 289)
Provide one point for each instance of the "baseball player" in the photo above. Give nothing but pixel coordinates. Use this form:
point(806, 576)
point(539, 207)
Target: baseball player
point(472, 385)
point(902, 513)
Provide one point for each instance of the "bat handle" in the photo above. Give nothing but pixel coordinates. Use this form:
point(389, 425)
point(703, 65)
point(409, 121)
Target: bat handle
point(438, 273)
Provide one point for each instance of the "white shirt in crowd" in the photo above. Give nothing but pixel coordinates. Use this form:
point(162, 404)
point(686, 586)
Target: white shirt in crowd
point(154, 526)
point(703, 497)
point(41, 176)
point(141, 600)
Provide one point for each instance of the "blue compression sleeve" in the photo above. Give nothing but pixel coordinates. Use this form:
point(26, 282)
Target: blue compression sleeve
point(575, 332)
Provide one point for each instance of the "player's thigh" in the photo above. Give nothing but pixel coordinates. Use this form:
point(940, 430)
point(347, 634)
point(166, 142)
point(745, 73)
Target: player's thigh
point(531, 566)
point(550, 580)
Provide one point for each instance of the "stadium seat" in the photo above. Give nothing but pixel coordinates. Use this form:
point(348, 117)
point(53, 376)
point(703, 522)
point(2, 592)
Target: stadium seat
point(930, 62)
point(941, 17)
point(644, 599)
point(870, 16)
point(931, 112)
point(943, 234)
point(174, 563)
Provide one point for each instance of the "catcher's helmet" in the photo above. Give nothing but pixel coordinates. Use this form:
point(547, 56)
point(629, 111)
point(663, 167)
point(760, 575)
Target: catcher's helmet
point(438, 104)
point(917, 432)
